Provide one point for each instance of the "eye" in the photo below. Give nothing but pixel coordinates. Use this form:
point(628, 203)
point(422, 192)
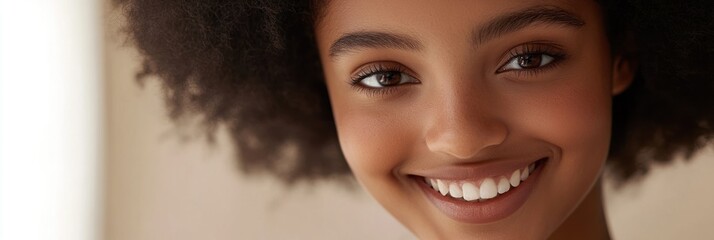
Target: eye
point(527, 61)
point(383, 79)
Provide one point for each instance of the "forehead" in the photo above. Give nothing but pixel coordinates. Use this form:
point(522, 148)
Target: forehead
point(426, 18)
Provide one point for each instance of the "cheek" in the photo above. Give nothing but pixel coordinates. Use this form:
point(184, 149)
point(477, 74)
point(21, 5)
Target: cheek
point(573, 111)
point(369, 138)
point(575, 117)
point(572, 117)
point(578, 122)
point(371, 141)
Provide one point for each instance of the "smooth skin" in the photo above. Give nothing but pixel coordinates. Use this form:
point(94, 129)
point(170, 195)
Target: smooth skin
point(454, 96)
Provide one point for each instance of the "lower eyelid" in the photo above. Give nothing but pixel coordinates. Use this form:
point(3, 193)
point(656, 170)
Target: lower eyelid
point(372, 92)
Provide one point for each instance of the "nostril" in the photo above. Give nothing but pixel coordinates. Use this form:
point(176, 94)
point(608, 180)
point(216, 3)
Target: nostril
point(464, 143)
point(450, 143)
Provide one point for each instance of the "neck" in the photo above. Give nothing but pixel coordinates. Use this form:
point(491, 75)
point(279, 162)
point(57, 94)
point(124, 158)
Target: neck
point(587, 221)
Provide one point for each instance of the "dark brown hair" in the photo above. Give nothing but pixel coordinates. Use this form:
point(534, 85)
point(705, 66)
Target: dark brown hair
point(253, 66)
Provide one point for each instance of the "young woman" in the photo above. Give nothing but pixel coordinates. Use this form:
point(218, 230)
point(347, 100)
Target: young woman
point(464, 119)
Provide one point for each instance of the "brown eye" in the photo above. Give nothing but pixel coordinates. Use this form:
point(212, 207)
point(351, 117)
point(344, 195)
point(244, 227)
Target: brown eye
point(527, 61)
point(386, 79)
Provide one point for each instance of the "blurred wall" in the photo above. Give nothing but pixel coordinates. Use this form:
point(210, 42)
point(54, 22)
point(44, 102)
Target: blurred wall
point(161, 186)
point(50, 119)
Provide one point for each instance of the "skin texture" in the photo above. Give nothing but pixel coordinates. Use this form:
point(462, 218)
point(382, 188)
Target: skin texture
point(464, 111)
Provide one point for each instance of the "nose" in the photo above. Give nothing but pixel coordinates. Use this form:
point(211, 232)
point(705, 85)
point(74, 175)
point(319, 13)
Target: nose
point(464, 123)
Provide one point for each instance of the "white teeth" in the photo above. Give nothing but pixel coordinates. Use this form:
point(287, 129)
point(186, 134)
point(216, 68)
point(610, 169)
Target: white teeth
point(470, 192)
point(516, 178)
point(488, 189)
point(443, 188)
point(503, 185)
point(455, 190)
point(524, 174)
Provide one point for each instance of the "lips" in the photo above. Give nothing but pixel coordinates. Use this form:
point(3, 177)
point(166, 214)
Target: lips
point(481, 194)
point(480, 189)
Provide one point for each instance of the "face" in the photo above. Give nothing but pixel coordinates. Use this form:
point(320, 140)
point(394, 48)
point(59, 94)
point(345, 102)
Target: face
point(470, 119)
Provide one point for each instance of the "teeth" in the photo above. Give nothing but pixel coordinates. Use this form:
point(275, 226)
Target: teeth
point(488, 189)
point(443, 188)
point(470, 191)
point(455, 190)
point(524, 174)
point(503, 185)
point(516, 178)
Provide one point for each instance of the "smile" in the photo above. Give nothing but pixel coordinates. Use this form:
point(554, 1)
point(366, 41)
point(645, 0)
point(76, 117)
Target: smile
point(481, 189)
point(481, 194)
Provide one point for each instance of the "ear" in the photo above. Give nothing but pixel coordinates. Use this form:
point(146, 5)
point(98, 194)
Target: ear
point(623, 73)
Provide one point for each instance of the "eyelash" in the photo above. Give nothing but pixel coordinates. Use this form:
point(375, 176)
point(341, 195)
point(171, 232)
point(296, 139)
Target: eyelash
point(555, 52)
point(375, 69)
point(527, 49)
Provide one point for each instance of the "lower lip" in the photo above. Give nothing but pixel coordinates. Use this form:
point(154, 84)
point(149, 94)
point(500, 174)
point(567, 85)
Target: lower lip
point(487, 211)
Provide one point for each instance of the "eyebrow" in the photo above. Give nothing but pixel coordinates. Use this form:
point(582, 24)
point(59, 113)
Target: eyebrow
point(366, 39)
point(499, 26)
point(518, 20)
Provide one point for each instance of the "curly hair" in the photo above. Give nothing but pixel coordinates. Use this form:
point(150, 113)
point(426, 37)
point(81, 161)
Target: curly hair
point(254, 66)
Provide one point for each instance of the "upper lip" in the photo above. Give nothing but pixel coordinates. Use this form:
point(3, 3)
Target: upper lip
point(475, 170)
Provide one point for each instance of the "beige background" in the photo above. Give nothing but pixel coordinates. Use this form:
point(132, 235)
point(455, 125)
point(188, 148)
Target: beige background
point(158, 186)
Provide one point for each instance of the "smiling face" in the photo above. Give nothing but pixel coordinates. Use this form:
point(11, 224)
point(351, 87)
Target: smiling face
point(471, 119)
